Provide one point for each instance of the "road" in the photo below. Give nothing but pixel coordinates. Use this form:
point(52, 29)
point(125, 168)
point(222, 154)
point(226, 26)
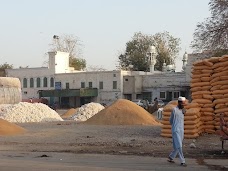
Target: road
point(37, 161)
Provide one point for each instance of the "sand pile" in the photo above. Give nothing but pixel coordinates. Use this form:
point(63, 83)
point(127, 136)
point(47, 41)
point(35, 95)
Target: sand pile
point(7, 128)
point(69, 113)
point(28, 112)
point(123, 112)
point(87, 111)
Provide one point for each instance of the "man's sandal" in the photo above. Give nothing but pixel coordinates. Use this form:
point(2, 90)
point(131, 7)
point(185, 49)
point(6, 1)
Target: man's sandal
point(183, 164)
point(170, 160)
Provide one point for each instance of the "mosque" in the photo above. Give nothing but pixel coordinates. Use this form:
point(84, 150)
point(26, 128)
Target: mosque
point(61, 84)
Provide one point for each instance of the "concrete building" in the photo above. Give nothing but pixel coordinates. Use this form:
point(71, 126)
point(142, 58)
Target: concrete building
point(70, 88)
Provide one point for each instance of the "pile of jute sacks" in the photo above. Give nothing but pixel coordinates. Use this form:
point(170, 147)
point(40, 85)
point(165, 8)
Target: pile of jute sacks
point(209, 93)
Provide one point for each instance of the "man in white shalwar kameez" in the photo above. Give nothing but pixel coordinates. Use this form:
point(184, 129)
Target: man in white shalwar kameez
point(177, 122)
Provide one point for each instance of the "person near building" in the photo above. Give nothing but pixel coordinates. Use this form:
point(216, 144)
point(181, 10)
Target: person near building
point(177, 122)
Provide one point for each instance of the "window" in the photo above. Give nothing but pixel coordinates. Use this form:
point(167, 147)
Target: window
point(126, 79)
point(114, 75)
point(82, 84)
point(45, 82)
point(90, 84)
point(52, 82)
point(31, 82)
point(67, 85)
point(176, 94)
point(101, 85)
point(114, 85)
point(38, 82)
point(162, 95)
point(25, 82)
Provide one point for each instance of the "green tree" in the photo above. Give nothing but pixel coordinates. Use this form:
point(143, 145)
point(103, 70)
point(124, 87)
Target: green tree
point(3, 68)
point(70, 44)
point(212, 34)
point(135, 56)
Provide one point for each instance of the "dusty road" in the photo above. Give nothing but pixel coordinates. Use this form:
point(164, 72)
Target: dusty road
point(106, 147)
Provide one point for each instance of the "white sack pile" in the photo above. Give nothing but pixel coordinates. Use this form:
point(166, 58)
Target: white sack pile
point(87, 111)
point(28, 112)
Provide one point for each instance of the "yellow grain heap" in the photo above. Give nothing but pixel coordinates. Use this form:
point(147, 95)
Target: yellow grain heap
point(7, 128)
point(122, 112)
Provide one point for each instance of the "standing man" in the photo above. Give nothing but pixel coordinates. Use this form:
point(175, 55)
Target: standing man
point(177, 122)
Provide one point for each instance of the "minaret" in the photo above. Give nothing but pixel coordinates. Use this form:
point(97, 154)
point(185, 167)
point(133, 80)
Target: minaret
point(152, 57)
point(185, 59)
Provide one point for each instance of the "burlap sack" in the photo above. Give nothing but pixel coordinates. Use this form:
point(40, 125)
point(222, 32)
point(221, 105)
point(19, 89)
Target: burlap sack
point(201, 92)
point(214, 59)
point(225, 82)
point(208, 105)
point(191, 105)
point(191, 136)
point(196, 80)
point(206, 88)
point(194, 89)
point(208, 109)
point(208, 96)
point(223, 58)
point(219, 64)
point(166, 135)
point(201, 101)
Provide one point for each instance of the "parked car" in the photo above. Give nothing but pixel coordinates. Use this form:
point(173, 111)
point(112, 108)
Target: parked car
point(141, 102)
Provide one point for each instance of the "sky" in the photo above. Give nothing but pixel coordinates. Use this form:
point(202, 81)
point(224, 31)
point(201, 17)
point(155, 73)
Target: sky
point(102, 26)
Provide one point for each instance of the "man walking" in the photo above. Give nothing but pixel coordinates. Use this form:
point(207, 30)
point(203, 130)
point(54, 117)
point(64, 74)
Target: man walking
point(177, 122)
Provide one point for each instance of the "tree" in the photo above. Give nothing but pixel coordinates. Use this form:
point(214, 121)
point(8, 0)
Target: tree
point(135, 56)
point(212, 34)
point(3, 68)
point(70, 44)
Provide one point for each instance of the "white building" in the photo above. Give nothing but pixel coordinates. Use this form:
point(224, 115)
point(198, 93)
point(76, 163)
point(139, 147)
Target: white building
point(70, 88)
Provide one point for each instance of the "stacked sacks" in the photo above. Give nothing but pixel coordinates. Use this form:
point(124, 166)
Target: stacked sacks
point(201, 93)
point(192, 123)
point(220, 88)
point(166, 127)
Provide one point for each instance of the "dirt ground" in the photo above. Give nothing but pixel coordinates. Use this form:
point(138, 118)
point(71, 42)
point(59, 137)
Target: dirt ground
point(73, 137)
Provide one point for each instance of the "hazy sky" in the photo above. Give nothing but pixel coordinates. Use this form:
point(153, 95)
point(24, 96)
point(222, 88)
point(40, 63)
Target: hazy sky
point(103, 26)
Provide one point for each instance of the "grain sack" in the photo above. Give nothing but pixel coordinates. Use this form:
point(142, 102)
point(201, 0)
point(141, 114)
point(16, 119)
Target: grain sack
point(209, 123)
point(192, 111)
point(219, 64)
point(220, 106)
point(224, 77)
point(192, 122)
point(166, 126)
point(166, 131)
point(218, 96)
point(208, 109)
point(201, 75)
point(206, 79)
point(206, 88)
point(196, 80)
point(195, 68)
point(223, 58)
point(215, 79)
point(200, 92)
point(166, 135)
point(219, 74)
point(164, 113)
point(207, 118)
point(208, 96)
point(214, 59)
point(191, 136)
point(223, 87)
point(189, 118)
point(207, 63)
point(217, 87)
point(200, 84)
point(207, 71)
point(221, 110)
point(208, 105)
point(219, 69)
point(173, 102)
point(165, 118)
point(196, 89)
point(169, 107)
point(220, 91)
point(198, 63)
point(190, 131)
point(165, 122)
point(220, 101)
point(200, 96)
point(201, 101)
point(225, 95)
point(208, 113)
point(191, 105)
point(208, 126)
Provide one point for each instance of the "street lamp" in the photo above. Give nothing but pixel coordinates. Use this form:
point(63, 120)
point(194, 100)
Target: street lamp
point(152, 53)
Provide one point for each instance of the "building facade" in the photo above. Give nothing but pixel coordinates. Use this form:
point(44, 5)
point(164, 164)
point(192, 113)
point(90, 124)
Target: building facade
point(61, 84)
